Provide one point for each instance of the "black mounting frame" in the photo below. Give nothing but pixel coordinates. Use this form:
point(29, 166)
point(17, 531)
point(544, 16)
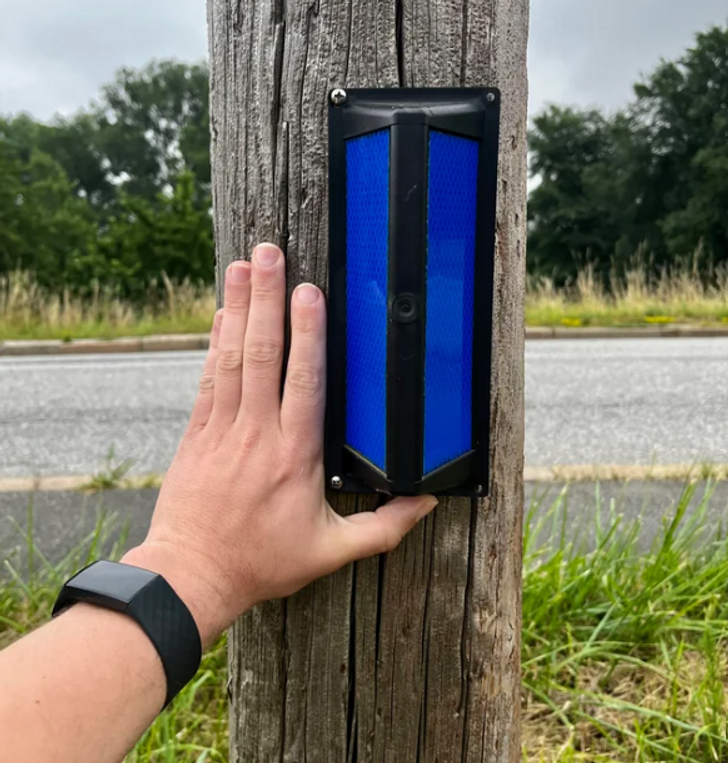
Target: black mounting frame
point(409, 114)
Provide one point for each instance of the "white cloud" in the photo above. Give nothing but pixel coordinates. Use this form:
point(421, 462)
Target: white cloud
point(55, 54)
point(591, 52)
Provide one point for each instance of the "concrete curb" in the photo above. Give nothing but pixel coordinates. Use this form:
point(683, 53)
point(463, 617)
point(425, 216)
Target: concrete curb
point(668, 331)
point(536, 474)
point(185, 342)
point(157, 343)
point(626, 473)
point(73, 483)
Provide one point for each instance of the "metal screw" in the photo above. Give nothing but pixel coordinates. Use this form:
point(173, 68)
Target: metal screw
point(337, 483)
point(338, 96)
point(479, 489)
point(490, 97)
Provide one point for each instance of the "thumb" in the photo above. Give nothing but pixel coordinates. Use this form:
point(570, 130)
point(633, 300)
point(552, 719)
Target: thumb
point(376, 532)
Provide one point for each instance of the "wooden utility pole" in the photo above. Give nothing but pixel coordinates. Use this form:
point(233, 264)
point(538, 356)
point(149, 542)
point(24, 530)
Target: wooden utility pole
point(413, 656)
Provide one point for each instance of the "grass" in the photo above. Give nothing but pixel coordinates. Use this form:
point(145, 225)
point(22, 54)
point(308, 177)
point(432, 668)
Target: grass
point(625, 650)
point(112, 474)
point(634, 300)
point(29, 312)
point(624, 653)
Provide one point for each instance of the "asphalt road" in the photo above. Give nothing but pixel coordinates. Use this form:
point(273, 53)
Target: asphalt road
point(62, 415)
point(633, 401)
point(587, 402)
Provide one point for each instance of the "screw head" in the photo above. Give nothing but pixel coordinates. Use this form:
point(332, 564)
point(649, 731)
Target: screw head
point(337, 483)
point(338, 96)
point(490, 97)
point(479, 489)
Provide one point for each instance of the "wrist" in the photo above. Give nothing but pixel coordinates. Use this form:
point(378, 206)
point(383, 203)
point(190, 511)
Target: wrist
point(202, 600)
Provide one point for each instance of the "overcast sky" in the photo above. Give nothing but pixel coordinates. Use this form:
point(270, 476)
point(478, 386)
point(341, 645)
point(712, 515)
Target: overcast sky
point(54, 54)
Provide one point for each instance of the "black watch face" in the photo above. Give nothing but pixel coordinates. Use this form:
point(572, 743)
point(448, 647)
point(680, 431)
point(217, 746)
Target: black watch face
point(116, 581)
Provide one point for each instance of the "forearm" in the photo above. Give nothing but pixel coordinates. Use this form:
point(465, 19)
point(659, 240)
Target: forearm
point(241, 518)
point(81, 689)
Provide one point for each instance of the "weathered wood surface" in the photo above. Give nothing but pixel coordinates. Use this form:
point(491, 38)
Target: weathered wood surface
point(412, 657)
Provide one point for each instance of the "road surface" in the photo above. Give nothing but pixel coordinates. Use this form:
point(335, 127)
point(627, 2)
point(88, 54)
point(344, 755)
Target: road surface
point(630, 401)
point(588, 402)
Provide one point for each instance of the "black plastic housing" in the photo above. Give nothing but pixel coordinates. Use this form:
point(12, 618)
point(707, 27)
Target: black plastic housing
point(409, 114)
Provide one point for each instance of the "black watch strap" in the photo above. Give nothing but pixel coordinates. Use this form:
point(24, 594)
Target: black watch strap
point(148, 599)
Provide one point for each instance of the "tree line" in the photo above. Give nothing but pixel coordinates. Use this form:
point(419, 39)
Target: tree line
point(650, 181)
point(119, 193)
point(116, 195)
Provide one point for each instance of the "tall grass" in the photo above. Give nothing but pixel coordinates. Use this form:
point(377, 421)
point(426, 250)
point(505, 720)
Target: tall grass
point(28, 311)
point(682, 295)
point(625, 652)
point(635, 298)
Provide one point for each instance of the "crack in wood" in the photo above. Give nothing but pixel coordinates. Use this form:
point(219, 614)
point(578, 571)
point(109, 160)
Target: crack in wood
point(284, 688)
point(464, 45)
point(399, 40)
point(465, 667)
point(351, 721)
point(279, 48)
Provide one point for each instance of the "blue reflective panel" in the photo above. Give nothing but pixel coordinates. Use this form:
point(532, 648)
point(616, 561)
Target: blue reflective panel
point(367, 160)
point(453, 173)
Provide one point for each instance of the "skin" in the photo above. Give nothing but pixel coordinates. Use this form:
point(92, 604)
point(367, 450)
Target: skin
point(241, 518)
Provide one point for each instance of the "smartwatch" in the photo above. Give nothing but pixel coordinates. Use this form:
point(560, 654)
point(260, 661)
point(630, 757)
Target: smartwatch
point(150, 601)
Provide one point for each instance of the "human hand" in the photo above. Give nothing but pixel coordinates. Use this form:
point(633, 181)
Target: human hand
point(242, 516)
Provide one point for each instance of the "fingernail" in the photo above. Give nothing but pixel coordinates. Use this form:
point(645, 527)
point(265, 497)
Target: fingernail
point(267, 255)
point(307, 294)
point(239, 272)
point(428, 505)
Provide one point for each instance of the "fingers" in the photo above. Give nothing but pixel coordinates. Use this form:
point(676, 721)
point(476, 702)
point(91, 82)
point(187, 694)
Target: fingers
point(302, 411)
point(370, 533)
point(229, 368)
point(263, 353)
point(205, 396)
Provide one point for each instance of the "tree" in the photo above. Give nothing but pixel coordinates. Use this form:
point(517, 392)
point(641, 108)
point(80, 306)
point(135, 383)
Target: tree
point(148, 127)
point(116, 195)
point(571, 211)
point(72, 144)
point(142, 242)
point(44, 227)
point(415, 656)
point(684, 105)
point(651, 177)
point(153, 124)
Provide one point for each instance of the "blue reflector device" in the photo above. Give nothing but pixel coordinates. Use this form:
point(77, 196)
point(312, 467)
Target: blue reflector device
point(412, 237)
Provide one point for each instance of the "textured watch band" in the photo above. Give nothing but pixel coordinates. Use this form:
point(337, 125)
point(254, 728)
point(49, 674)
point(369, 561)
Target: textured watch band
point(149, 600)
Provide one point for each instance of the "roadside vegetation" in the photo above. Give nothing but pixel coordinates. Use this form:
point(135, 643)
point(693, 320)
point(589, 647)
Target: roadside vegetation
point(110, 208)
point(625, 648)
point(30, 311)
point(682, 295)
